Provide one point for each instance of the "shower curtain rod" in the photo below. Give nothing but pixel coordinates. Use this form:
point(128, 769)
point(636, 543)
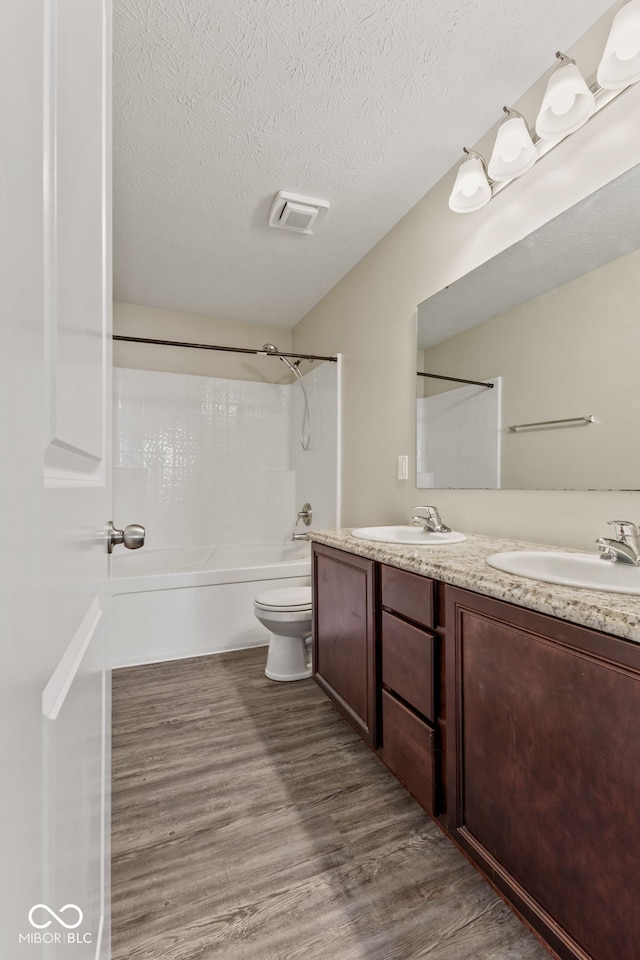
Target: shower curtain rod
point(209, 346)
point(439, 376)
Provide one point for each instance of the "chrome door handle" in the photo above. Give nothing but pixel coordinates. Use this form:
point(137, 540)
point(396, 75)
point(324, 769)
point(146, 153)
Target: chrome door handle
point(132, 536)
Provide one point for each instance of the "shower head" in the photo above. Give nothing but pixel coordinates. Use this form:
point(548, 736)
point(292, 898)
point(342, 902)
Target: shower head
point(271, 350)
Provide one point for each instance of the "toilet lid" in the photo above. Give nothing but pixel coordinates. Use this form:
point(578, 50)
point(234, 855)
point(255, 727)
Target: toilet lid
point(290, 598)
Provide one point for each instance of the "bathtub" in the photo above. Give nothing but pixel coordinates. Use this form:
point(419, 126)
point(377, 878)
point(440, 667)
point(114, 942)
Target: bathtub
point(190, 601)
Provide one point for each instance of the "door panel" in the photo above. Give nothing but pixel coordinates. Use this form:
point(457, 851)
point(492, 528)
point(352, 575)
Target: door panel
point(75, 271)
point(344, 635)
point(74, 771)
point(545, 769)
point(55, 483)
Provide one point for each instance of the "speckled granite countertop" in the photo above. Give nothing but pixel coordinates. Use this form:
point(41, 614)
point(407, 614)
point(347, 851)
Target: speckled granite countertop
point(463, 565)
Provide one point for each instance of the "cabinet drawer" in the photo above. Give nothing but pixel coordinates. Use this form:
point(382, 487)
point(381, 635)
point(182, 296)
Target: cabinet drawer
point(409, 594)
point(408, 750)
point(407, 663)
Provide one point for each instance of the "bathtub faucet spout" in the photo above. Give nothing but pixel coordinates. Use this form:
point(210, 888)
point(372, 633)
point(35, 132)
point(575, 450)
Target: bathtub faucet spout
point(299, 536)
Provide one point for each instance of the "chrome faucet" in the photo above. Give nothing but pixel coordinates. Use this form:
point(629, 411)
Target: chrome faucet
point(625, 548)
point(429, 519)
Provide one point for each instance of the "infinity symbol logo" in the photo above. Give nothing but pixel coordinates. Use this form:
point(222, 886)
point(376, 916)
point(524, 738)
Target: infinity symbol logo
point(56, 916)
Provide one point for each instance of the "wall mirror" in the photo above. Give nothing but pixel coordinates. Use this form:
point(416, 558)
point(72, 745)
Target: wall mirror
point(553, 322)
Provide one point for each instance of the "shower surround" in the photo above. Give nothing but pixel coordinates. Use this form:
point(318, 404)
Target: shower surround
point(206, 460)
point(213, 462)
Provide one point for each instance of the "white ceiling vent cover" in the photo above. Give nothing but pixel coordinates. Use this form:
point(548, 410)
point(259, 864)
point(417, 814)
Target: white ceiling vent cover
point(290, 211)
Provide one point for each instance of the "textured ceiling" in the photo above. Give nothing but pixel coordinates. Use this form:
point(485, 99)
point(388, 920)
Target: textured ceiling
point(218, 104)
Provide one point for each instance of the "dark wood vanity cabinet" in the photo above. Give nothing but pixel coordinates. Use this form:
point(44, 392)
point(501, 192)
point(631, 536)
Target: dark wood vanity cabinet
point(543, 765)
point(345, 635)
point(520, 732)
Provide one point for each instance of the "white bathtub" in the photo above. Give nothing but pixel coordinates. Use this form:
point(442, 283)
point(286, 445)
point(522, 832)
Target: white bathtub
point(189, 601)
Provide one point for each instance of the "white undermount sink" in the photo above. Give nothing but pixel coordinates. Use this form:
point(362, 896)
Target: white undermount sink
point(570, 569)
point(407, 533)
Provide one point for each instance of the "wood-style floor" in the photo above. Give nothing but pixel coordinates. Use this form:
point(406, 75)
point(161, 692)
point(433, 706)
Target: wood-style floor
point(251, 823)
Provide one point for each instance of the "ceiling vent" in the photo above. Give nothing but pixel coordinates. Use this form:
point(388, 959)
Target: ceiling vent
point(290, 211)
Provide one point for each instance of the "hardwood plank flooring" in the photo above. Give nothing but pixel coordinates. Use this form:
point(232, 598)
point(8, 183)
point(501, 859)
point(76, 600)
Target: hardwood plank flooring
point(251, 823)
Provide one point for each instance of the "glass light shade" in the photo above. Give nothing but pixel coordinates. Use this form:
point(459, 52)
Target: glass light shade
point(513, 152)
point(620, 64)
point(471, 189)
point(567, 104)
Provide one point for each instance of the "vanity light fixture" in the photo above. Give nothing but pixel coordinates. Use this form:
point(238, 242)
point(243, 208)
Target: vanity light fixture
point(514, 151)
point(567, 103)
point(471, 189)
point(620, 64)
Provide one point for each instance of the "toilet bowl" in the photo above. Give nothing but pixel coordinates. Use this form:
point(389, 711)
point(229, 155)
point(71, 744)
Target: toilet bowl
point(287, 616)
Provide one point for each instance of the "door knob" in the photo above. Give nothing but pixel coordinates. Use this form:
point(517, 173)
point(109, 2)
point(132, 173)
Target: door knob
point(132, 536)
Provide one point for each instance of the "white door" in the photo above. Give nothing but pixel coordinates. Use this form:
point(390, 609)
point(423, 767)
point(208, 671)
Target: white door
point(55, 377)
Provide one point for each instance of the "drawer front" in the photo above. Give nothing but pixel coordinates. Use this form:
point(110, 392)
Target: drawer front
point(407, 663)
point(408, 746)
point(409, 594)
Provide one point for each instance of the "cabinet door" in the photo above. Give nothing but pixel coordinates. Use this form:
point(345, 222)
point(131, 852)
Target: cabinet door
point(344, 635)
point(544, 770)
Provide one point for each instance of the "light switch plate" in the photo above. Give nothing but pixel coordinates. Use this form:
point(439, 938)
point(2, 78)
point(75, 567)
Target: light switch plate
point(403, 467)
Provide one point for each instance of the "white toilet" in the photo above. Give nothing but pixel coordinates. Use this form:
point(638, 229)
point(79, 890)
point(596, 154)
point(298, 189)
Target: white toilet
point(287, 615)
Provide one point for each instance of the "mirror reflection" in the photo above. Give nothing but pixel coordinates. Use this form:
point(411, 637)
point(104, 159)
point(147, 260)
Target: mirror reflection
point(552, 325)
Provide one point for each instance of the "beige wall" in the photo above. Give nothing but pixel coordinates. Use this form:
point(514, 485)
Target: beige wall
point(135, 321)
point(370, 318)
